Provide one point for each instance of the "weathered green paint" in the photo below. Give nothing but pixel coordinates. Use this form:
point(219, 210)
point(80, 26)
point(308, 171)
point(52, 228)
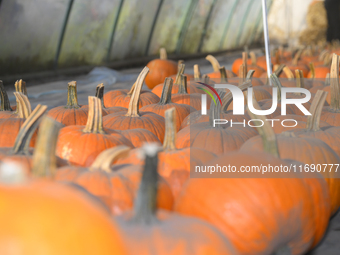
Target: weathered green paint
point(218, 22)
point(133, 28)
point(29, 36)
point(193, 34)
point(88, 32)
point(168, 27)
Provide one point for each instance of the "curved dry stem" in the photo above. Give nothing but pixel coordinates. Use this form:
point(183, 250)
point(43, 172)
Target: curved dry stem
point(166, 92)
point(214, 62)
point(228, 98)
point(288, 73)
point(44, 156)
point(163, 54)
point(313, 121)
point(24, 106)
point(266, 132)
point(297, 57)
point(170, 130)
point(95, 117)
point(335, 90)
point(133, 110)
point(5, 104)
point(23, 139)
point(106, 158)
point(131, 90)
point(180, 72)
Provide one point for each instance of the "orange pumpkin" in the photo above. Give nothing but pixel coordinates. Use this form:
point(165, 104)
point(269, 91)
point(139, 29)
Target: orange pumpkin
point(146, 224)
point(132, 118)
point(72, 113)
point(216, 66)
point(160, 69)
point(80, 145)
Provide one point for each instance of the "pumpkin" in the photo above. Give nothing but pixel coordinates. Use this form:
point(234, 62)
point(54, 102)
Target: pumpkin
point(99, 94)
point(80, 145)
point(132, 118)
point(165, 103)
point(293, 221)
point(306, 150)
point(115, 186)
point(296, 64)
point(43, 217)
point(145, 225)
point(116, 98)
point(72, 113)
point(320, 71)
point(10, 127)
point(216, 66)
point(172, 159)
point(160, 69)
point(331, 114)
point(191, 87)
point(139, 136)
point(214, 138)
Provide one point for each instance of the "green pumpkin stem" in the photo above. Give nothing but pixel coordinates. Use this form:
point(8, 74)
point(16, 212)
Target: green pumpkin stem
point(5, 105)
point(133, 110)
point(145, 205)
point(100, 93)
point(335, 90)
point(106, 158)
point(266, 132)
point(170, 130)
point(94, 122)
point(313, 121)
point(180, 72)
point(183, 85)
point(72, 98)
point(214, 62)
point(23, 139)
point(44, 156)
point(276, 83)
point(166, 92)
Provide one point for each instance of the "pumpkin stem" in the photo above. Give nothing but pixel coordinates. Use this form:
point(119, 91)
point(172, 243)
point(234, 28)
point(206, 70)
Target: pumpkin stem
point(163, 54)
point(277, 84)
point(166, 92)
point(323, 55)
point(205, 79)
point(214, 62)
point(223, 73)
point(242, 73)
point(23, 139)
point(145, 205)
point(297, 57)
point(106, 158)
point(313, 121)
point(24, 106)
point(299, 81)
point(253, 58)
point(328, 80)
point(335, 90)
point(100, 93)
point(266, 132)
point(133, 110)
point(132, 89)
point(183, 85)
point(181, 68)
point(5, 105)
point(288, 73)
point(228, 98)
point(312, 69)
point(215, 109)
point(94, 122)
point(279, 70)
point(250, 74)
point(197, 73)
point(170, 130)
point(44, 156)
point(72, 97)
point(277, 56)
point(20, 86)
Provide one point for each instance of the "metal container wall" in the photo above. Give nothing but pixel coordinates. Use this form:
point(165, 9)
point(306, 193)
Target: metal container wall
point(44, 35)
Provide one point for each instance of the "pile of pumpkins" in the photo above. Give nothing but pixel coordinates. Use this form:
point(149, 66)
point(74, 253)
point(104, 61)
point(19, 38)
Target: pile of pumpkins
point(113, 176)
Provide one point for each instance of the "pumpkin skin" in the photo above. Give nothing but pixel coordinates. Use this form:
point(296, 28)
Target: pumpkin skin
point(139, 136)
point(72, 113)
point(122, 98)
point(160, 69)
point(308, 151)
point(216, 201)
point(80, 145)
point(73, 225)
